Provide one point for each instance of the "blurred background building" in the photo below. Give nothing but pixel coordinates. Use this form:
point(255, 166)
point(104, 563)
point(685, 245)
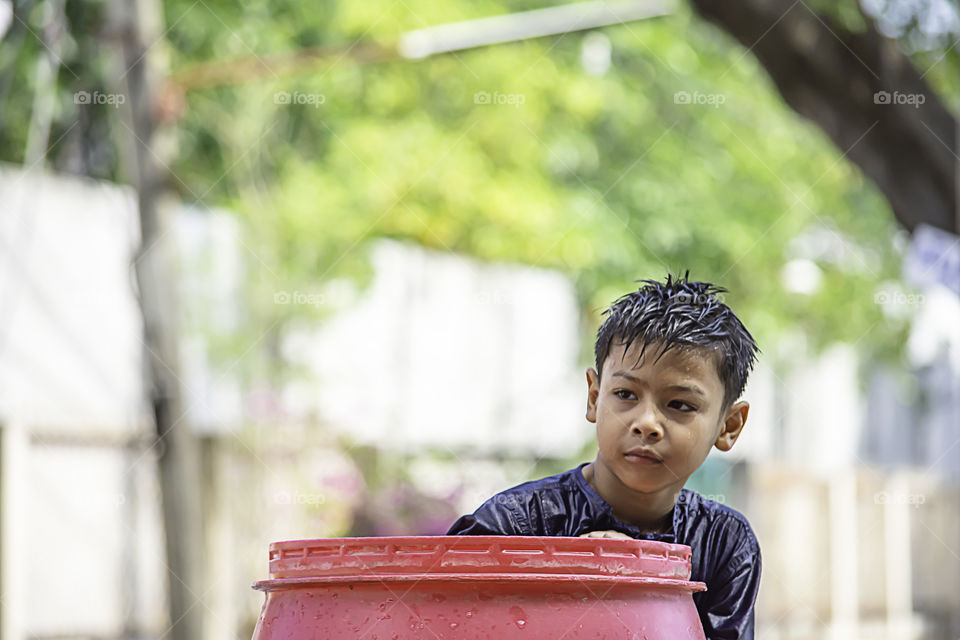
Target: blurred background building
point(386, 271)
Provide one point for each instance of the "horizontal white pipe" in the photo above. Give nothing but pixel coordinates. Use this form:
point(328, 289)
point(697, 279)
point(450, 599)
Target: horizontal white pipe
point(457, 36)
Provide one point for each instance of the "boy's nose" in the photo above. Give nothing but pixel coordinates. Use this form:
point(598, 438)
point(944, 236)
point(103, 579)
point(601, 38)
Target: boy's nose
point(647, 425)
point(648, 430)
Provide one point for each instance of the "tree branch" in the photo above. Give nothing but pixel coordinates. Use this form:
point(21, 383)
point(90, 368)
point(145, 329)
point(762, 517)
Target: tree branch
point(856, 85)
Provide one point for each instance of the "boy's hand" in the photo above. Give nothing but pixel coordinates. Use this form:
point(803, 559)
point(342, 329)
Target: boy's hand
point(609, 533)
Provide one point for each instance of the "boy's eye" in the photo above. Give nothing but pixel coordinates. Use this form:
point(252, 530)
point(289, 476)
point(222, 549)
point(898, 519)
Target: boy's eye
point(619, 393)
point(680, 405)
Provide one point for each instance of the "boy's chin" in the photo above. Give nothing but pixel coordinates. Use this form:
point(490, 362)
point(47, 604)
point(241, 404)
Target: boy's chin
point(641, 482)
point(648, 488)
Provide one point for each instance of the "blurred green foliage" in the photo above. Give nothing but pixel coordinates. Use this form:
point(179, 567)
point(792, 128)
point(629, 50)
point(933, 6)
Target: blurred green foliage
point(608, 178)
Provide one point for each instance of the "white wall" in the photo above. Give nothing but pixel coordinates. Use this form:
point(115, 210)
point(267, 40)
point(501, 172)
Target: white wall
point(85, 523)
point(444, 351)
point(70, 350)
point(86, 520)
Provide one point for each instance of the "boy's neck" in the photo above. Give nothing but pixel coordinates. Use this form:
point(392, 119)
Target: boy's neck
point(651, 513)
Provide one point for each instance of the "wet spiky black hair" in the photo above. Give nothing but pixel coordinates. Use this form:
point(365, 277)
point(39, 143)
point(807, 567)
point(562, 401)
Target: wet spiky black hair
point(683, 314)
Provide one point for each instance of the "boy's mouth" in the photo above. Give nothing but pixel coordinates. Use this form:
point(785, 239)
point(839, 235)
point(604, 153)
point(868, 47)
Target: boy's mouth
point(642, 455)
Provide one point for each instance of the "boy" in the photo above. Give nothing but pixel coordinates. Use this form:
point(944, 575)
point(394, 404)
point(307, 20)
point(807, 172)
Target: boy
point(672, 361)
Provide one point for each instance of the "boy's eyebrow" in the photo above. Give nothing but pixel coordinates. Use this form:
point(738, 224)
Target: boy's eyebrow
point(691, 388)
point(678, 387)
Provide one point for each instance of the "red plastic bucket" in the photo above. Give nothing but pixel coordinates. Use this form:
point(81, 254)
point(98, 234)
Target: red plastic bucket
point(478, 587)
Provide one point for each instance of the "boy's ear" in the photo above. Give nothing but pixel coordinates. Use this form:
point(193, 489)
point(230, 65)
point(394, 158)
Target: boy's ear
point(733, 421)
point(593, 392)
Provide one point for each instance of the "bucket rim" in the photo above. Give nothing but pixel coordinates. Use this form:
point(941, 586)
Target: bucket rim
point(478, 555)
point(280, 584)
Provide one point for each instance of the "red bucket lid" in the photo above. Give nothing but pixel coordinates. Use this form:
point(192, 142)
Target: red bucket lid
point(478, 557)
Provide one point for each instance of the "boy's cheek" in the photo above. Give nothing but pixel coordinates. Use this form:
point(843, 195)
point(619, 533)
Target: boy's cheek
point(608, 416)
point(687, 438)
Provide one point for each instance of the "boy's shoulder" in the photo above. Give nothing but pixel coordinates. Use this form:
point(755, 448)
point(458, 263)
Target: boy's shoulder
point(550, 506)
point(697, 512)
point(565, 504)
point(709, 519)
point(543, 493)
point(708, 509)
point(712, 507)
point(563, 481)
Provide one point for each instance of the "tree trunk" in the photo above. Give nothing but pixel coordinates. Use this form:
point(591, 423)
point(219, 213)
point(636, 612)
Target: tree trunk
point(856, 85)
point(175, 446)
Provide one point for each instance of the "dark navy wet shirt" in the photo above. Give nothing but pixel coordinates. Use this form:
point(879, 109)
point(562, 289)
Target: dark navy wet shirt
point(725, 555)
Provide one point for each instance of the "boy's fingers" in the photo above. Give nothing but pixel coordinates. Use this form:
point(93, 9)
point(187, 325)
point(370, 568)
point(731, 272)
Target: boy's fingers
point(605, 534)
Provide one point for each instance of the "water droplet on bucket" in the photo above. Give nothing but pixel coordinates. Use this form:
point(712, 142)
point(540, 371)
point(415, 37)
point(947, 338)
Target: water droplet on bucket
point(519, 616)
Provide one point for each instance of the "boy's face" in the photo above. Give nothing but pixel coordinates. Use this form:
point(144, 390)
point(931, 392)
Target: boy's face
point(671, 408)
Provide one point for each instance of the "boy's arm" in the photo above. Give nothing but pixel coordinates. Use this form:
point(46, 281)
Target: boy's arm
point(498, 516)
point(726, 610)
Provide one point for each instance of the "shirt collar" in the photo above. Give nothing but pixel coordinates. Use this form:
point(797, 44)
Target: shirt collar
point(604, 511)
